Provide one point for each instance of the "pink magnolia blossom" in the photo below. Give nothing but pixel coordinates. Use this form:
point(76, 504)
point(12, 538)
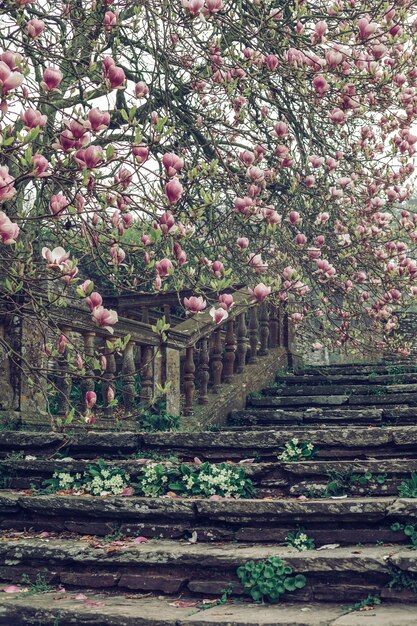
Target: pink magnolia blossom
point(51, 79)
point(294, 218)
point(366, 28)
point(195, 304)
point(214, 6)
point(172, 163)
point(217, 268)
point(94, 300)
point(98, 119)
point(7, 189)
point(242, 242)
point(141, 90)
point(56, 257)
point(297, 317)
point(104, 317)
point(226, 301)
point(89, 157)
point(260, 292)
point(8, 230)
point(141, 153)
point(218, 315)
point(32, 118)
point(281, 129)
point(110, 20)
point(40, 165)
point(90, 399)
point(192, 6)
point(247, 157)
point(337, 116)
point(320, 84)
point(164, 267)
point(35, 28)
point(174, 190)
point(256, 262)
point(62, 344)
point(9, 80)
point(57, 204)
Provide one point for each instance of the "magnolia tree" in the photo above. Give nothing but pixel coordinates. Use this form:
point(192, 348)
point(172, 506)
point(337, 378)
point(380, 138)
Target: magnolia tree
point(201, 144)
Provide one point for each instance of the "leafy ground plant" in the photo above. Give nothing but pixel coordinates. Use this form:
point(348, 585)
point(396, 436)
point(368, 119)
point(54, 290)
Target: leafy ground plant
point(410, 531)
point(267, 581)
point(296, 450)
point(408, 488)
point(369, 602)
point(300, 541)
point(156, 479)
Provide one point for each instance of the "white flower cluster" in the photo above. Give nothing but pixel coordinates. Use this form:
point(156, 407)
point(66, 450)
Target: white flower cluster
point(65, 480)
point(293, 451)
point(106, 483)
point(300, 542)
point(151, 481)
point(221, 481)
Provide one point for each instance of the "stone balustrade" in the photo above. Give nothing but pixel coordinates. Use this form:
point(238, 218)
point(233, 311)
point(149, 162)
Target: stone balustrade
point(195, 361)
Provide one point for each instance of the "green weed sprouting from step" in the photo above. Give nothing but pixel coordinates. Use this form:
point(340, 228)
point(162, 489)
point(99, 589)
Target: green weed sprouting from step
point(226, 593)
point(156, 456)
point(295, 450)
point(410, 531)
point(402, 580)
point(370, 601)
point(342, 483)
point(300, 541)
point(267, 581)
point(408, 488)
point(39, 585)
point(156, 418)
point(255, 395)
point(115, 535)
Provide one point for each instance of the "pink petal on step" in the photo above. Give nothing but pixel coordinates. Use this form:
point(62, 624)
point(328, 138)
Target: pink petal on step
point(141, 540)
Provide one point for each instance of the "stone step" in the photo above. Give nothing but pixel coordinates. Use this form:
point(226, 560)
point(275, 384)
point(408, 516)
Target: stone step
point(173, 567)
point(100, 609)
point(341, 520)
point(371, 390)
point(360, 368)
point(372, 416)
point(275, 478)
point(332, 441)
point(345, 399)
point(350, 379)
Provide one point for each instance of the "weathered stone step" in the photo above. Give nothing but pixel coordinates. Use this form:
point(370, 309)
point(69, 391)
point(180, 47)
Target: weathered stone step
point(275, 478)
point(334, 400)
point(372, 416)
point(371, 390)
point(345, 521)
point(338, 574)
point(360, 368)
point(340, 379)
point(118, 610)
point(333, 442)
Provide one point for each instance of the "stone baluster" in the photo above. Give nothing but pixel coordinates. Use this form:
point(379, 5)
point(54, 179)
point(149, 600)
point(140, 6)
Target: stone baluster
point(189, 385)
point(88, 381)
point(145, 314)
point(264, 329)
point(274, 337)
point(242, 343)
point(128, 377)
point(64, 379)
point(203, 373)
point(146, 370)
point(229, 355)
point(216, 360)
point(253, 334)
point(109, 376)
point(6, 388)
point(167, 313)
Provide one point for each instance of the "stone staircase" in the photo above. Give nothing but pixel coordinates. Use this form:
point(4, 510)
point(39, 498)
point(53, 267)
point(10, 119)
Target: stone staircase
point(83, 558)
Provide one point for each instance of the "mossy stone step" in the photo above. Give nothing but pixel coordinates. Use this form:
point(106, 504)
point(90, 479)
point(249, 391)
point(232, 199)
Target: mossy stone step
point(347, 520)
point(118, 610)
point(334, 575)
point(275, 478)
